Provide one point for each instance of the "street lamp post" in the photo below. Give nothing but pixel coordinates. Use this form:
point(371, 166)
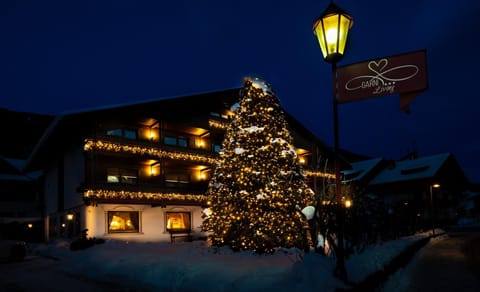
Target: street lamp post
point(432, 209)
point(331, 29)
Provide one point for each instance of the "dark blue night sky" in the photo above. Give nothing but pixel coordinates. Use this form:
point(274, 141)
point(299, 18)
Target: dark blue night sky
point(59, 56)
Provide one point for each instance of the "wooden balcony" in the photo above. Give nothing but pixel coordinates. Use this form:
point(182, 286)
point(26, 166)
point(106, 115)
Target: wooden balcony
point(154, 150)
point(144, 194)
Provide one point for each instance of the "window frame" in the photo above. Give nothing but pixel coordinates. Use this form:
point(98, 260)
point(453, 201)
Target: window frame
point(109, 217)
point(188, 228)
point(123, 132)
point(177, 179)
point(123, 175)
point(177, 140)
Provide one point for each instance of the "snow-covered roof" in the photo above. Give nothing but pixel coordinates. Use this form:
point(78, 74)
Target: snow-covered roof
point(144, 101)
point(17, 163)
point(471, 194)
point(14, 177)
point(65, 116)
point(360, 169)
point(419, 168)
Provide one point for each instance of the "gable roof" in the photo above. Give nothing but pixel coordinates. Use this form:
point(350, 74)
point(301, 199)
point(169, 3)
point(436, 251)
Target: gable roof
point(412, 169)
point(11, 170)
point(361, 169)
point(79, 122)
point(83, 120)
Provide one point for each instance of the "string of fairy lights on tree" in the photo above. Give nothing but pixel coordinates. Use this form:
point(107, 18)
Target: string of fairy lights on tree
point(258, 190)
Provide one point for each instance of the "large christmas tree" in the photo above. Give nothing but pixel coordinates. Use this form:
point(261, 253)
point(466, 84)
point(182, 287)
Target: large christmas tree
point(258, 190)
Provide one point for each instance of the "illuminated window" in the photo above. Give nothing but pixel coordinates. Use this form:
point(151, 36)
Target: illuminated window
point(124, 176)
point(123, 221)
point(178, 221)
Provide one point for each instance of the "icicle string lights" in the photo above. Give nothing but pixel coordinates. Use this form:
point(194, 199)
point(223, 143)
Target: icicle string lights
point(218, 124)
point(164, 197)
point(91, 145)
point(150, 151)
point(319, 174)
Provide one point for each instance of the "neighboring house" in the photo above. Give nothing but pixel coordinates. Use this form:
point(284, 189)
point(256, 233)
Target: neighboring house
point(140, 171)
point(414, 189)
point(20, 202)
point(469, 207)
point(362, 172)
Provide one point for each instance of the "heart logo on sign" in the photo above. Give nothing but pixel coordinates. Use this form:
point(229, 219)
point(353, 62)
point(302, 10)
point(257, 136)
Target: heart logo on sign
point(378, 67)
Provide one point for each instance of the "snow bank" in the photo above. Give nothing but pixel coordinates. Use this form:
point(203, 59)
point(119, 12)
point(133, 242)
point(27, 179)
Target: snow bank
point(193, 266)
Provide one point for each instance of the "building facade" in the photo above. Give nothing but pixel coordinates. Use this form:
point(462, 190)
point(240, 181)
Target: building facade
point(139, 172)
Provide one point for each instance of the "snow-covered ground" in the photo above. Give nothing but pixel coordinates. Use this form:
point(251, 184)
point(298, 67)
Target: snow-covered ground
point(193, 266)
point(400, 281)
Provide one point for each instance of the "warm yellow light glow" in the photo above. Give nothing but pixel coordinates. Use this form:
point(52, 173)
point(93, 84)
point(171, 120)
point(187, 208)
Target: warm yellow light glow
point(319, 174)
point(200, 143)
point(164, 197)
point(331, 30)
point(217, 124)
point(90, 222)
point(63, 225)
point(155, 169)
point(176, 221)
point(30, 225)
point(91, 145)
point(348, 203)
point(436, 186)
point(331, 36)
point(117, 223)
point(301, 151)
point(69, 216)
point(152, 134)
point(301, 160)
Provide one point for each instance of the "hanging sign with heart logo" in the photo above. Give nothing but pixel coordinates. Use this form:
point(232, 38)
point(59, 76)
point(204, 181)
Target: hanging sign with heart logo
point(404, 74)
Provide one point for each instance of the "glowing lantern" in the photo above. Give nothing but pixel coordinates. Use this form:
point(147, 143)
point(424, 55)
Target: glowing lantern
point(331, 29)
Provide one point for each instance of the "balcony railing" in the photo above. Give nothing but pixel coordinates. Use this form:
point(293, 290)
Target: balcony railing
point(162, 197)
point(144, 148)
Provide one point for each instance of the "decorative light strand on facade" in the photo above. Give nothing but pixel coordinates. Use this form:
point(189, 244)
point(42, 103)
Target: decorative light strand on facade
point(319, 174)
point(126, 195)
point(217, 124)
point(91, 145)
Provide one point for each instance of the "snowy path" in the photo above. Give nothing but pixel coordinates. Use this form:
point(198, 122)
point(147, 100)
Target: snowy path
point(443, 265)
